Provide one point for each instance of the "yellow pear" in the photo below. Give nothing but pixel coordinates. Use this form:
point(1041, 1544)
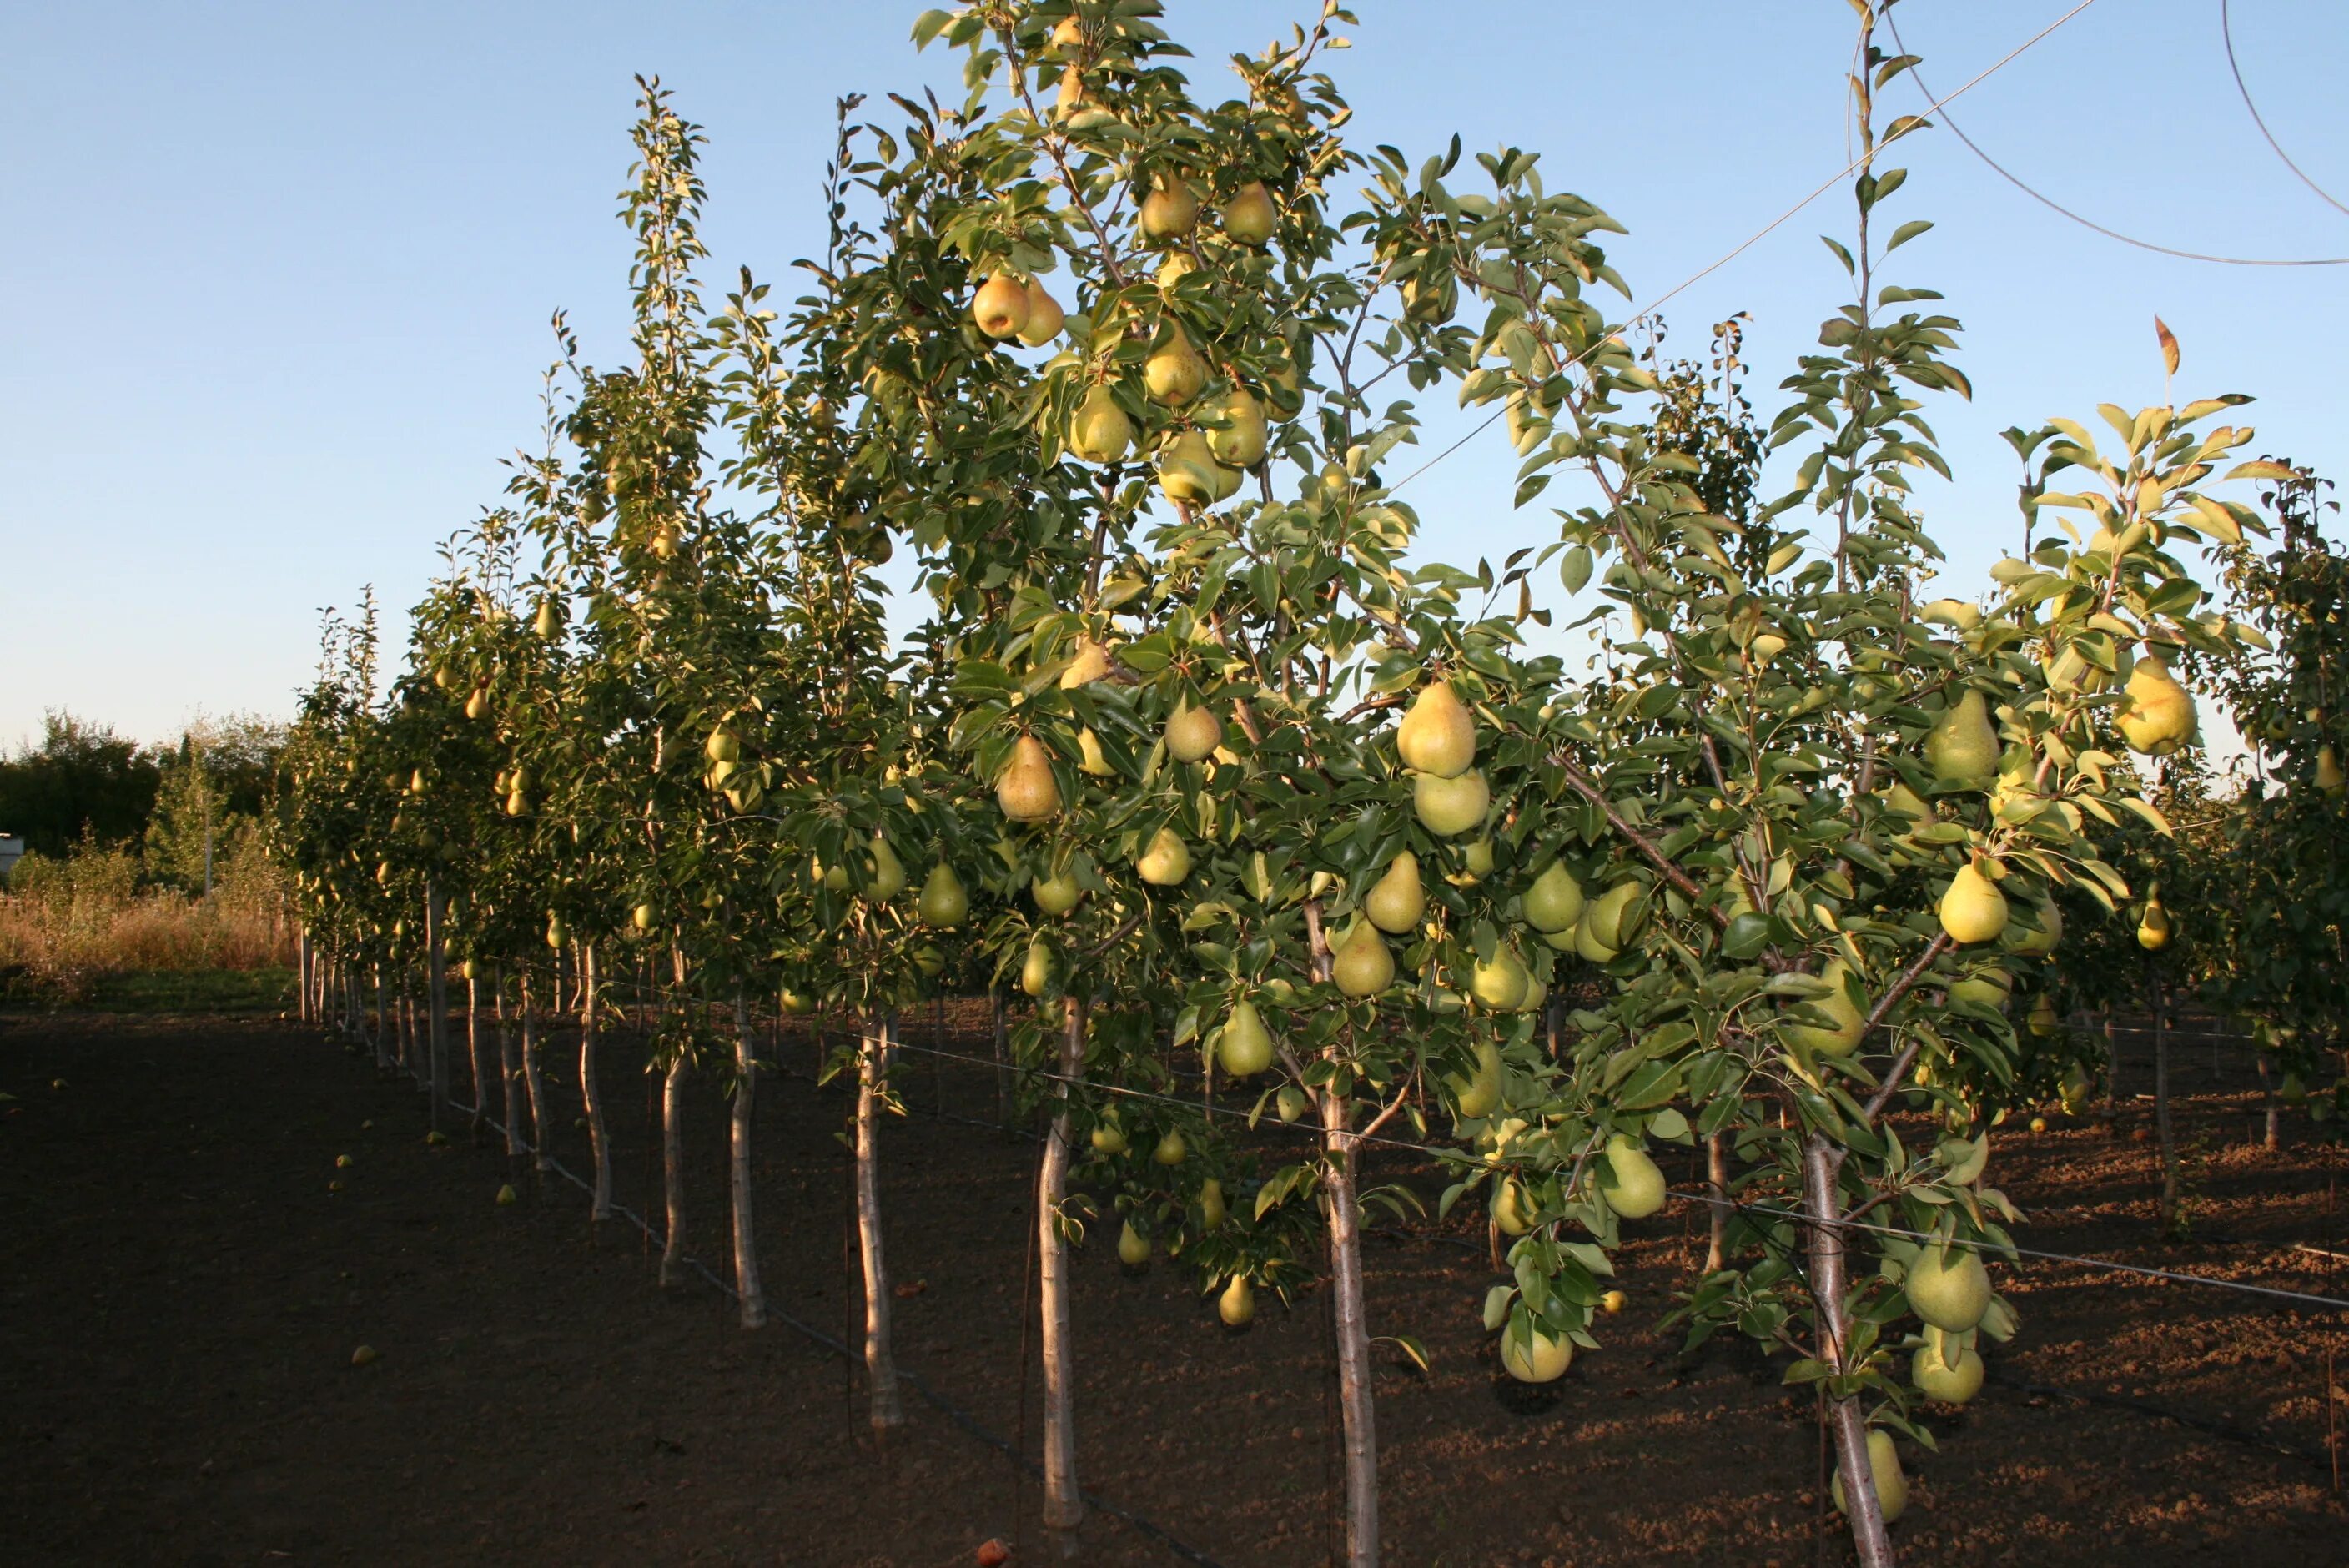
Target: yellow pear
point(2043, 1019)
point(1511, 1212)
point(1109, 1137)
point(722, 746)
point(1026, 789)
point(2038, 941)
point(2153, 926)
point(546, 623)
point(1100, 431)
point(1903, 801)
point(888, 879)
point(1615, 916)
point(1587, 945)
point(1036, 969)
point(1479, 1095)
point(1629, 1181)
point(1091, 760)
point(1397, 900)
point(1884, 1474)
point(1973, 909)
point(1841, 1037)
point(1237, 1305)
point(1172, 1149)
point(1244, 1046)
point(1364, 966)
point(1056, 895)
point(1173, 373)
point(1450, 807)
point(1948, 1288)
point(477, 703)
point(642, 917)
point(1067, 40)
point(517, 803)
point(1167, 861)
point(1000, 306)
point(1192, 733)
point(1170, 211)
point(943, 902)
point(1946, 1369)
point(1240, 442)
point(2329, 777)
point(2155, 714)
point(1045, 317)
point(1210, 1204)
point(1250, 218)
point(1188, 472)
point(1963, 745)
point(1554, 902)
point(1476, 862)
point(1178, 265)
point(1438, 733)
point(798, 1004)
point(1132, 1247)
point(1500, 985)
point(1092, 663)
point(1538, 1357)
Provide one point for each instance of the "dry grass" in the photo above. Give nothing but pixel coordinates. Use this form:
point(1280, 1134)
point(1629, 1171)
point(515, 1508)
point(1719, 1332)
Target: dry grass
point(66, 926)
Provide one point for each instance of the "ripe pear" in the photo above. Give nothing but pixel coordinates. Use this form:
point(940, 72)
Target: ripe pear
point(1629, 1181)
point(1210, 1204)
point(1071, 102)
point(1167, 861)
point(1056, 895)
point(1538, 1357)
point(1903, 801)
point(888, 879)
point(506, 1194)
point(1587, 945)
point(1242, 441)
point(1450, 807)
point(2329, 777)
point(546, 623)
point(517, 803)
point(2040, 940)
point(1364, 966)
point(798, 1004)
point(1554, 902)
point(558, 936)
point(2043, 1019)
point(1512, 1214)
point(1178, 265)
point(1045, 317)
point(1843, 1036)
point(1948, 1288)
point(1090, 663)
point(1963, 745)
point(1091, 760)
point(1244, 1046)
point(1100, 431)
point(1986, 988)
point(1237, 1305)
point(2153, 926)
point(642, 917)
point(1952, 612)
point(1171, 1149)
point(1884, 1474)
point(943, 902)
point(1026, 789)
point(1250, 218)
point(1501, 984)
point(477, 703)
point(1000, 306)
point(1132, 1247)
point(1944, 1370)
point(722, 746)
point(1438, 733)
point(1173, 373)
point(1067, 40)
point(2155, 715)
point(1192, 733)
point(1396, 901)
point(1188, 472)
point(1036, 969)
point(1109, 1139)
point(1479, 1094)
point(1170, 211)
point(1973, 909)
point(1615, 916)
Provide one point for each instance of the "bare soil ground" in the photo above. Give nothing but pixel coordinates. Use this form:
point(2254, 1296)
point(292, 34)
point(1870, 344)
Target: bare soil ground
point(181, 1290)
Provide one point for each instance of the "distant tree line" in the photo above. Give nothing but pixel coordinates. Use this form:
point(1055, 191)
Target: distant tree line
point(82, 784)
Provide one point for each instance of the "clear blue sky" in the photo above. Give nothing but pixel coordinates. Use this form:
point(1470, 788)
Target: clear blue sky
point(276, 297)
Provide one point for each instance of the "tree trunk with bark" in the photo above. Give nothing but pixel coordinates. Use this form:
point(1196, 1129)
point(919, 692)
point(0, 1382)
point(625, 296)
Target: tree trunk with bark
point(1064, 1507)
point(473, 1049)
point(302, 971)
point(2271, 1122)
point(588, 1094)
point(2172, 1217)
point(436, 995)
point(509, 1071)
point(1847, 1423)
point(540, 1132)
point(746, 1091)
point(1716, 1184)
point(888, 1411)
point(672, 1170)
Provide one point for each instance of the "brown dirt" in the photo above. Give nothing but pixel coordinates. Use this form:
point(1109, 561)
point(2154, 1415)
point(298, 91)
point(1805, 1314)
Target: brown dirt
point(180, 1294)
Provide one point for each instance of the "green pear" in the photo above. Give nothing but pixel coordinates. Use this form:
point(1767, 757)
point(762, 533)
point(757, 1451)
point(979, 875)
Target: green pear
point(1984, 988)
point(1250, 218)
point(888, 878)
point(1843, 1036)
point(1036, 969)
point(1536, 1357)
point(1479, 1095)
point(1945, 1370)
point(1973, 909)
point(1244, 1046)
point(1396, 901)
point(1500, 985)
point(1188, 472)
point(1100, 431)
point(1171, 1149)
point(1438, 733)
point(1450, 807)
point(1192, 733)
point(1109, 1137)
point(1554, 902)
point(1948, 1288)
point(1587, 945)
point(1237, 1305)
point(1132, 1247)
point(1045, 317)
point(1167, 861)
point(1362, 965)
point(1615, 916)
point(1026, 789)
point(1629, 1181)
point(1210, 1204)
point(2039, 939)
point(1056, 895)
point(943, 902)
point(1241, 441)
point(1173, 374)
point(1170, 211)
point(1884, 1474)
point(1962, 748)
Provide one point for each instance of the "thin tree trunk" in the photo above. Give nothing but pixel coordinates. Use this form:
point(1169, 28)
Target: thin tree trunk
point(474, 1047)
point(880, 1363)
point(588, 1095)
point(2271, 1134)
point(382, 1024)
point(1002, 1072)
point(436, 996)
point(673, 1168)
point(2112, 1066)
point(509, 1071)
point(407, 1052)
point(746, 1090)
point(1847, 1423)
point(1716, 1170)
point(302, 971)
point(1354, 1399)
point(536, 1081)
point(1064, 1507)
point(2162, 1132)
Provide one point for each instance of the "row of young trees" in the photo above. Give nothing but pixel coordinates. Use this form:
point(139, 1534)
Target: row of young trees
point(1194, 744)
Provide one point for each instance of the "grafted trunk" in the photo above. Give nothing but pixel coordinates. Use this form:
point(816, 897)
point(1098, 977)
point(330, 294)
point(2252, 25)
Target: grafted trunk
point(1716, 1168)
point(435, 996)
point(1356, 1406)
point(1065, 1506)
point(880, 1362)
point(588, 1094)
point(673, 1168)
point(541, 1133)
point(746, 1091)
point(509, 1072)
point(1847, 1422)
